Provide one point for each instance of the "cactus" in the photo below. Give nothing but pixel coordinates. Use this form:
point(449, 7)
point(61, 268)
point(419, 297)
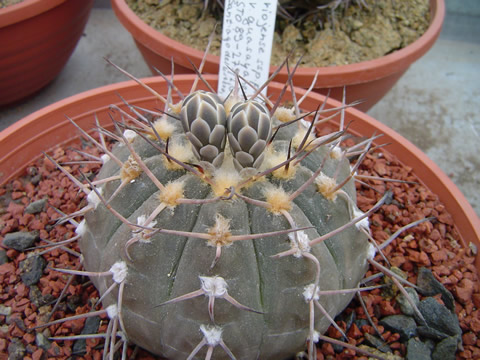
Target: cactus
point(220, 229)
point(223, 228)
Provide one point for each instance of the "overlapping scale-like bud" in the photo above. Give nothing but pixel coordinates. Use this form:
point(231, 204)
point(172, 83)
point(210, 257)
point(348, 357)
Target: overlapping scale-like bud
point(249, 129)
point(204, 121)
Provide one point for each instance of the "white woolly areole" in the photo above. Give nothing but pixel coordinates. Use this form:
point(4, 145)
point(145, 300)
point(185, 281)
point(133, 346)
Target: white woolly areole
point(336, 152)
point(93, 198)
point(315, 337)
point(214, 286)
point(81, 228)
point(213, 334)
point(119, 271)
point(104, 158)
point(308, 293)
point(112, 311)
point(364, 223)
point(299, 242)
point(372, 251)
point(141, 220)
point(129, 135)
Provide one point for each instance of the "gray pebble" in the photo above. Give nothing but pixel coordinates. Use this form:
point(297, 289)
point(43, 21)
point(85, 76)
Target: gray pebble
point(404, 304)
point(377, 343)
point(430, 286)
point(36, 206)
point(32, 269)
point(439, 317)
point(42, 341)
point(37, 298)
point(3, 257)
point(404, 325)
point(20, 240)
point(16, 350)
point(5, 310)
point(446, 349)
point(91, 327)
point(418, 350)
point(431, 333)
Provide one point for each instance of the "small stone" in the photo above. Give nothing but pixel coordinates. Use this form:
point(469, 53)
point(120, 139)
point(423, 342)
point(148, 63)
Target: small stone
point(20, 240)
point(377, 343)
point(429, 286)
point(36, 297)
point(3, 257)
point(16, 350)
point(32, 269)
point(440, 255)
point(446, 349)
point(469, 338)
point(382, 355)
point(37, 354)
point(439, 317)
point(42, 341)
point(403, 325)
point(36, 206)
point(5, 310)
point(417, 350)
point(405, 306)
point(464, 290)
point(431, 333)
point(91, 327)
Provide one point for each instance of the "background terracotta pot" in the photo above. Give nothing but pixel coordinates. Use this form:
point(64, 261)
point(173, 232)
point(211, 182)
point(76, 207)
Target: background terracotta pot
point(28, 138)
point(368, 80)
point(37, 38)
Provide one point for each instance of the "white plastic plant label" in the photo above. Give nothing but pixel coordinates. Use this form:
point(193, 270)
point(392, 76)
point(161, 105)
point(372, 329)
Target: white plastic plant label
point(247, 37)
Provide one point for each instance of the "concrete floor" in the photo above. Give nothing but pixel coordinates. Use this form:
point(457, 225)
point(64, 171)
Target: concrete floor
point(435, 104)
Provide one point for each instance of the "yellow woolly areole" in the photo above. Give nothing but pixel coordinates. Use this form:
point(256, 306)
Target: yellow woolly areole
point(130, 170)
point(164, 128)
point(284, 114)
point(171, 193)
point(220, 232)
point(226, 176)
point(278, 199)
point(224, 179)
point(175, 108)
point(299, 136)
point(180, 151)
point(273, 158)
point(326, 186)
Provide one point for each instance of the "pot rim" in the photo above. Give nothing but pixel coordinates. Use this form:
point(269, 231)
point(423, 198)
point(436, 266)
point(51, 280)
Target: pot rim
point(329, 76)
point(25, 10)
point(41, 131)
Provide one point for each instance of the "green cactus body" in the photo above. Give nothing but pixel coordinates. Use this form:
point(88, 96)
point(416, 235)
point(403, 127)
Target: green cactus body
point(263, 311)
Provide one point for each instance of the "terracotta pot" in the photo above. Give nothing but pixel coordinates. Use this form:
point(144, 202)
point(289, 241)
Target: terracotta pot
point(368, 80)
point(25, 140)
point(37, 38)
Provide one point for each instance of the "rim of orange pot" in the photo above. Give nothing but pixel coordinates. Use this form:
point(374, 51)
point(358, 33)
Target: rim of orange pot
point(49, 126)
point(329, 76)
point(26, 9)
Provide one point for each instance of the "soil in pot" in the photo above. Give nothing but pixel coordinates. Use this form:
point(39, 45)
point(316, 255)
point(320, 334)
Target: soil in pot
point(28, 291)
point(351, 35)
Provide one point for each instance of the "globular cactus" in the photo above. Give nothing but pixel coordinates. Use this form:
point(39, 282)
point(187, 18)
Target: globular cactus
point(230, 259)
